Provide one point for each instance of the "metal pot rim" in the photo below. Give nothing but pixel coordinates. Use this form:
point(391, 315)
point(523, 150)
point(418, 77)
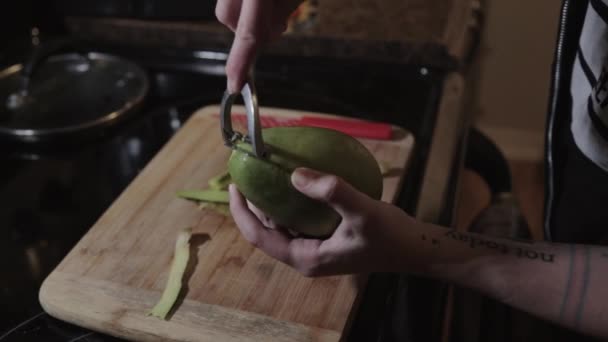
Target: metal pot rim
point(39, 134)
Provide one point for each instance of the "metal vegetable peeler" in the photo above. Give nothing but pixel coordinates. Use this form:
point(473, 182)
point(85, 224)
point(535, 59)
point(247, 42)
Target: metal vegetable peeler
point(254, 136)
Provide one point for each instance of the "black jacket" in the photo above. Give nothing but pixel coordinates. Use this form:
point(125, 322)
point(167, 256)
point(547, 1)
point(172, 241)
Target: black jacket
point(576, 202)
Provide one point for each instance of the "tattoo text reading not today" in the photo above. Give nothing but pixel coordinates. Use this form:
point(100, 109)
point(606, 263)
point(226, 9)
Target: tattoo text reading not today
point(479, 242)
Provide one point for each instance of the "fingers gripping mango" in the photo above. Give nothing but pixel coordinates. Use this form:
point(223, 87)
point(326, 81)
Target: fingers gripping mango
point(267, 182)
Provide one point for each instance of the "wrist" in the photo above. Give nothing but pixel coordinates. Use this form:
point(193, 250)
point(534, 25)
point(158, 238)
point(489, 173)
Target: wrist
point(433, 251)
point(487, 274)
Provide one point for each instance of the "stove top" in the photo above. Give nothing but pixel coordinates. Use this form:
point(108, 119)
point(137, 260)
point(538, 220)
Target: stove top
point(51, 194)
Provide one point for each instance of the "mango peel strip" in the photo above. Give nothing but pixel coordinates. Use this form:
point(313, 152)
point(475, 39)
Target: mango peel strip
point(174, 282)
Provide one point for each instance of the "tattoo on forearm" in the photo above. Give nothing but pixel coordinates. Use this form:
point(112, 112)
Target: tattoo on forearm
point(480, 242)
point(577, 283)
point(562, 309)
point(583, 298)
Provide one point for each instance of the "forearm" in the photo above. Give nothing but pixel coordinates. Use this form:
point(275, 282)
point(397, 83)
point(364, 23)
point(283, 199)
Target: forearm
point(566, 284)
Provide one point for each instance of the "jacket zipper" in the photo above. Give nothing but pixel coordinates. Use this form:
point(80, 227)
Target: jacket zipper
point(551, 120)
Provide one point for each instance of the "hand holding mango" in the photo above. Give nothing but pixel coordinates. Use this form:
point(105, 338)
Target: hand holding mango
point(266, 182)
point(343, 225)
point(370, 235)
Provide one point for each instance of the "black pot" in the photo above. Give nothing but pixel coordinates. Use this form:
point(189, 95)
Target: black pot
point(61, 95)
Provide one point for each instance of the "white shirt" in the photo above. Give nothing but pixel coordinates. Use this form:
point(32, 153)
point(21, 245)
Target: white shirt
point(589, 86)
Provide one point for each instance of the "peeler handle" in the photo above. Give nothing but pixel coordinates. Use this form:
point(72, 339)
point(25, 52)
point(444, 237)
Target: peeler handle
point(254, 127)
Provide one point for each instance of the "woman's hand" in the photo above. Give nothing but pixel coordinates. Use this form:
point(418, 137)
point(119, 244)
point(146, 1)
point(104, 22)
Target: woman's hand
point(370, 237)
point(254, 23)
point(565, 284)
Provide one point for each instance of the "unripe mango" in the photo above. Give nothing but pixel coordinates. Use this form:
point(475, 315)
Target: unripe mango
point(266, 182)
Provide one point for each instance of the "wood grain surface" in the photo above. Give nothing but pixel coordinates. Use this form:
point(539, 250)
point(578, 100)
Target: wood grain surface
point(234, 292)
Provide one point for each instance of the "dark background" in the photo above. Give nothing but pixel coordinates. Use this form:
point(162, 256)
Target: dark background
point(17, 18)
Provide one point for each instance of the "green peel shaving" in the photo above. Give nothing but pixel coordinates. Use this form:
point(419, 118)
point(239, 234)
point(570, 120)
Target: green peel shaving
point(220, 182)
point(213, 196)
point(219, 208)
point(174, 283)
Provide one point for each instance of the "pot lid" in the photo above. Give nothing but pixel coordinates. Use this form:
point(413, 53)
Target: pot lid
point(68, 93)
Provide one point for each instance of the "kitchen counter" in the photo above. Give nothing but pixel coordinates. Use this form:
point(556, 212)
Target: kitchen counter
point(439, 33)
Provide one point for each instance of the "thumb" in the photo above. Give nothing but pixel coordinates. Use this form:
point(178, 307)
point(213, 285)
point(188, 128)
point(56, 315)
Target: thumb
point(333, 190)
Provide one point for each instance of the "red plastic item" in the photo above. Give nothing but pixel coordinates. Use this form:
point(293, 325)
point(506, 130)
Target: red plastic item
point(355, 128)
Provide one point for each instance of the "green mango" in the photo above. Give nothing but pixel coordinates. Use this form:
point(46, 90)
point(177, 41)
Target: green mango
point(266, 182)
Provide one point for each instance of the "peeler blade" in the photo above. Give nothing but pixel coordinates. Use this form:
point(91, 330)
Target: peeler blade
point(254, 127)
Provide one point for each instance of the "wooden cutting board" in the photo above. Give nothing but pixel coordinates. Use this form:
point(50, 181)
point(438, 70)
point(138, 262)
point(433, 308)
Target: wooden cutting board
point(117, 271)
